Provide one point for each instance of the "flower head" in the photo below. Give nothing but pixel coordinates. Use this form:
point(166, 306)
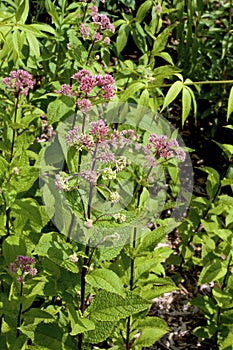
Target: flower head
point(19, 81)
point(22, 265)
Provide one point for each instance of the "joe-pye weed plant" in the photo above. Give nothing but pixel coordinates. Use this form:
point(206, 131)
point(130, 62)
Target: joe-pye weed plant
point(95, 283)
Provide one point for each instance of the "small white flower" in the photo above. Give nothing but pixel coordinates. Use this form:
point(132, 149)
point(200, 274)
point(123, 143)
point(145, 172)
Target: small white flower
point(15, 171)
point(73, 258)
point(114, 197)
point(88, 223)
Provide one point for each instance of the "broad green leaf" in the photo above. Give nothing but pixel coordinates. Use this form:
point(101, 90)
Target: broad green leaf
point(107, 280)
point(113, 307)
point(143, 9)
point(172, 93)
point(48, 336)
point(186, 103)
point(150, 329)
point(78, 324)
point(230, 104)
point(212, 272)
point(52, 246)
point(131, 90)
point(150, 240)
point(122, 37)
point(36, 316)
point(12, 247)
point(57, 109)
point(102, 331)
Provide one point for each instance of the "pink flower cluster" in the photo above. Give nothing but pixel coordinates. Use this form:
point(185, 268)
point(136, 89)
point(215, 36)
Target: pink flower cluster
point(160, 147)
point(23, 263)
point(19, 82)
point(89, 86)
point(101, 24)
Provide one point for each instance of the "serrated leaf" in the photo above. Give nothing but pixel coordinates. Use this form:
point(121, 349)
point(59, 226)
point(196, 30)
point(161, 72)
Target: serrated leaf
point(107, 280)
point(151, 329)
point(172, 93)
point(230, 104)
point(57, 109)
point(102, 331)
point(212, 272)
point(131, 90)
point(107, 306)
point(151, 239)
point(186, 103)
point(47, 335)
point(79, 324)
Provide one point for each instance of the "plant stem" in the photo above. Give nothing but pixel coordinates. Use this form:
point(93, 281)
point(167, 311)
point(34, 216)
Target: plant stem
point(131, 283)
point(15, 119)
point(11, 157)
point(20, 311)
point(89, 52)
point(83, 286)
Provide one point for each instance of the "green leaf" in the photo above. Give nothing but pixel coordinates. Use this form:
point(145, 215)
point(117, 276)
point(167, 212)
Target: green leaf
point(213, 181)
point(172, 93)
point(102, 331)
point(122, 37)
point(150, 240)
point(161, 40)
point(230, 104)
point(36, 316)
point(151, 329)
point(139, 37)
point(113, 307)
point(144, 98)
point(57, 109)
point(131, 90)
point(33, 45)
point(212, 272)
point(227, 149)
point(107, 280)
point(54, 248)
point(13, 246)
point(78, 324)
point(143, 9)
point(51, 9)
point(22, 11)
point(186, 103)
point(48, 336)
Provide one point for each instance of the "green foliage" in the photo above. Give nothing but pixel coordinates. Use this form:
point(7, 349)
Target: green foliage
point(83, 295)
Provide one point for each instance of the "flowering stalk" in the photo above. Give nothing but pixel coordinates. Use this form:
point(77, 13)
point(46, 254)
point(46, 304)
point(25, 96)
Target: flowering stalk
point(18, 82)
point(22, 267)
